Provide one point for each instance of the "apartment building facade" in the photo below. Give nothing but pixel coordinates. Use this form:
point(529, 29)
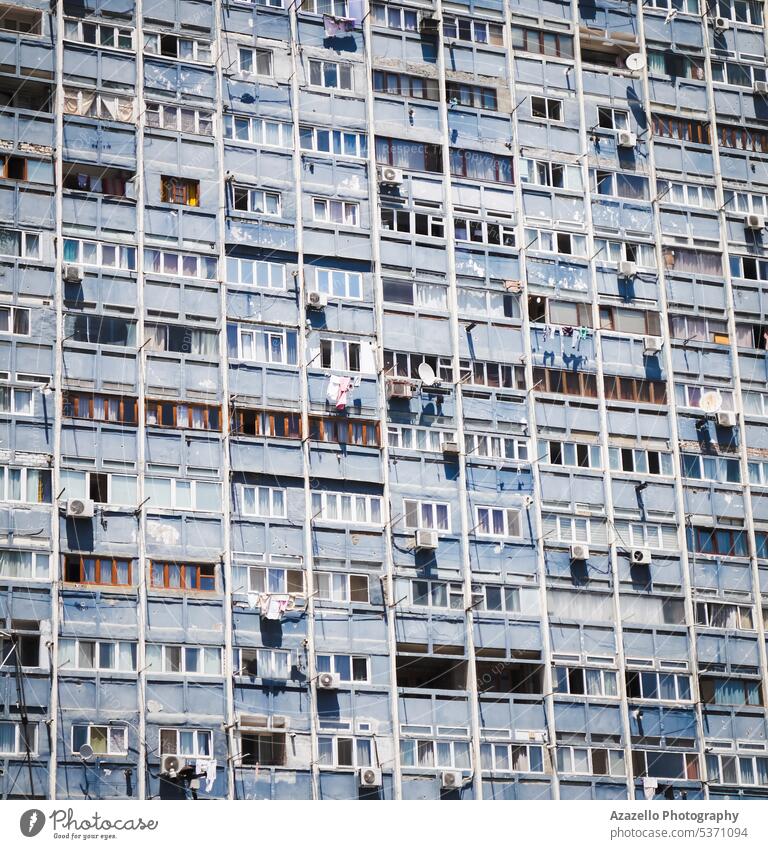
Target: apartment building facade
point(386, 399)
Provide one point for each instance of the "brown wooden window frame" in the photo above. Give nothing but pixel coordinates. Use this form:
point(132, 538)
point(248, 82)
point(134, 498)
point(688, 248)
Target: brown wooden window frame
point(191, 576)
point(190, 407)
point(77, 399)
point(291, 423)
point(577, 384)
point(643, 391)
point(320, 432)
point(101, 564)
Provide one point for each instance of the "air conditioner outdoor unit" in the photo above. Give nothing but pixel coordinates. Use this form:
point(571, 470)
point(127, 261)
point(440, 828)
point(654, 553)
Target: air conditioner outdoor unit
point(627, 268)
point(652, 344)
point(641, 556)
point(426, 540)
point(172, 765)
point(726, 418)
point(317, 300)
point(579, 552)
point(80, 508)
point(328, 681)
point(754, 222)
point(390, 176)
point(626, 139)
point(401, 389)
point(450, 446)
point(450, 779)
point(721, 24)
point(73, 273)
point(761, 87)
point(369, 776)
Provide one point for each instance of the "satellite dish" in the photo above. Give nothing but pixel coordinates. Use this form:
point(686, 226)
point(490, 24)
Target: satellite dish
point(427, 374)
point(710, 402)
point(635, 61)
point(85, 752)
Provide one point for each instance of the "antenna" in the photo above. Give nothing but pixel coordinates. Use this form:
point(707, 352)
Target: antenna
point(635, 61)
point(711, 402)
point(427, 374)
point(85, 751)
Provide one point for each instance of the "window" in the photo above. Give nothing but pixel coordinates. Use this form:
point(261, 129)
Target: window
point(572, 529)
point(431, 754)
point(730, 691)
point(342, 752)
point(269, 664)
point(644, 535)
point(484, 232)
point(497, 522)
point(177, 47)
point(407, 365)
point(641, 254)
point(181, 339)
point(349, 668)
point(742, 138)
point(16, 19)
point(101, 254)
point(635, 389)
point(337, 142)
point(98, 34)
point(182, 494)
point(573, 454)
point(169, 116)
point(476, 97)
point(187, 660)
point(478, 165)
point(24, 565)
point(101, 487)
point(542, 42)
point(262, 749)
point(32, 486)
point(96, 180)
point(409, 155)
point(497, 599)
point(714, 614)
point(427, 515)
point(688, 194)
point(468, 29)
point(255, 200)
point(394, 17)
point(547, 107)
point(713, 468)
point(265, 501)
point(190, 743)
point(741, 11)
point(180, 191)
point(260, 131)
point(181, 415)
point(728, 542)
point(103, 739)
point(100, 655)
point(641, 460)
point(18, 243)
point(625, 321)
point(510, 757)
point(339, 284)
point(491, 374)
point(737, 769)
point(688, 7)
point(550, 241)
point(106, 571)
point(92, 104)
point(184, 265)
point(612, 119)
point(403, 85)
point(658, 686)
point(578, 681)
point(99, 330)
point(330, 75)
point(690, 261)
point(620, 184)
point(557, 175)
point(262, 345)
point(255, 272)
point(498, 447)
point(737, 74)
point(758, 472)
point(183, 576)
point(342, 587)
point(750, 268)
point(675, 65)
point(426, 295)
point(336, 8)
point(407, 221)
point(666, 764)
point(690, 396)
point(338, 507)
point(13, 167)
point(565, 313)
point(105, 408)
point(407, 438)
point(437, 594)
point(565, 382)
point(340, 355)
point(489, 304)
point(584, 761)
point(18, 739)
point(276, 423)
point(344, 431)
point(336, 211)
point(274, 580)
point(16, 400)
point(755, 403)
point(693, 329)
point(20, 644)
point(743, 202)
